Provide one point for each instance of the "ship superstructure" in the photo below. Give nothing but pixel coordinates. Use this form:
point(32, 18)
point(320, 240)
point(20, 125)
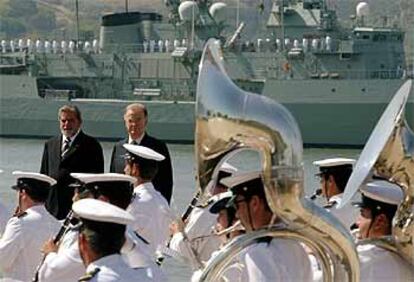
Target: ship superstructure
point(300, 56)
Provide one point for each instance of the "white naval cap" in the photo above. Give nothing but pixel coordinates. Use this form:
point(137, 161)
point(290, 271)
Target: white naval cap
point(103, 177)
point(144, 152)
point(333, 162)
point(240, 178)
point(96, 210)
point(32, 179)
point(219, 201)
point(226, 167)
point(383, 191)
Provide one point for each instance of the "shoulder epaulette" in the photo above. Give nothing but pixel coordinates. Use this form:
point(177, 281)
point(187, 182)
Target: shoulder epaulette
point(141, 238)
point(88, 276)
point(20, 214)
point(330, 205)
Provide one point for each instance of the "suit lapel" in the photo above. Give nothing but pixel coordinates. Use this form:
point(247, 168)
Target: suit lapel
point(144, 140)
point(55, 149)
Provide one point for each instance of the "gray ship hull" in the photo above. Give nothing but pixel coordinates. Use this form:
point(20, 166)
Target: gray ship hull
point(335, 112)
point(24, 114)
point(329, 112)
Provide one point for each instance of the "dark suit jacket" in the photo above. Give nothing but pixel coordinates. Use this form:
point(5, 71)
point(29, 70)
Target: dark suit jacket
point(84, 155)
point(163, 181)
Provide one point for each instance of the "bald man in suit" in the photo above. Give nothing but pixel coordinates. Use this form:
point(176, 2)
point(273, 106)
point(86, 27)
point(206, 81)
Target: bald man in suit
point(136, 119)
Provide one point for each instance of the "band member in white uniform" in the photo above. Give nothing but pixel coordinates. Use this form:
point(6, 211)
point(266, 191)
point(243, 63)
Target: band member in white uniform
point(150, 209)
point(334, 174)
point(225, 220)
point(4, 214)
point(197, 239)
point(64, 263)
point(269, 259)
point(101, 237)
point(380, 200)
point(26, 231)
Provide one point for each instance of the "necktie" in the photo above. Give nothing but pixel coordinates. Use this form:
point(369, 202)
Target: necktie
point(66, 145)
point(134, 142)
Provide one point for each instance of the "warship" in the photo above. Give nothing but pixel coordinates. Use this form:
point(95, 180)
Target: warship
point(336, 81)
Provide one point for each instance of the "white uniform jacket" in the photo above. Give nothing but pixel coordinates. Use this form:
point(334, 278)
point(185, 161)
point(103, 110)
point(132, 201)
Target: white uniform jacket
point(113, 268)
point(66, 265)
point(274, 260)
point(4, 216)
point(378, 264)
point(152, 215)
point(138, 254)
point(346, 214)
point(199, 236)
point(21, 242)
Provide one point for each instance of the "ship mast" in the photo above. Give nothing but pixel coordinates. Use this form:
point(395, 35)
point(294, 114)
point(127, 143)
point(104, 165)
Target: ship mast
point(238, 13)
point(126, 6)
point(192, 27)
point(282, 22)
point(77, 23)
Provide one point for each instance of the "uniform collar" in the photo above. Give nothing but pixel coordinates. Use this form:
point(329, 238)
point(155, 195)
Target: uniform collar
point(336, 198)
point(36, 208)
point(104, 261)
point(144, 186)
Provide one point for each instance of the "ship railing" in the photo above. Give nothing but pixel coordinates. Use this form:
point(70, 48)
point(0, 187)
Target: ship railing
point(163, 45)
point(355, 74)
point(129, 101)
point(58, 94)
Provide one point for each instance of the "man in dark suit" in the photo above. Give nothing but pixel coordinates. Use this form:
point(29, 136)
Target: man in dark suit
point(136, 119)
point(72, 151)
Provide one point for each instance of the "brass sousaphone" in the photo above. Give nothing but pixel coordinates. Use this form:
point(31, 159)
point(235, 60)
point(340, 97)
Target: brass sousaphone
point(389, 153)
point(229, 119)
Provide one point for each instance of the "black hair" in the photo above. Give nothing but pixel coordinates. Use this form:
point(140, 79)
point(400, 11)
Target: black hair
point(254, 187)
point(231, 216)
point(377, 208)
point(37, 190)
point(104, 238)
point(340, 174)
point(147, 168)
point(119, 193)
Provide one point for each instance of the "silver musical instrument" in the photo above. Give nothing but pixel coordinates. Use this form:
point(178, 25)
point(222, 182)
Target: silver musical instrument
point(228, 120)
point(389, 153)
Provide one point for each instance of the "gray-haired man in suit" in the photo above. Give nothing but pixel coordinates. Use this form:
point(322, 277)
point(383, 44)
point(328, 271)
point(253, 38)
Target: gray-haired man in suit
point(72, 151)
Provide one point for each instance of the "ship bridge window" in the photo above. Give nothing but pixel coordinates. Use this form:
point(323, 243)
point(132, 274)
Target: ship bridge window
point(345, 56)
point(397, 38)
point(365, 36)
point(379, 37)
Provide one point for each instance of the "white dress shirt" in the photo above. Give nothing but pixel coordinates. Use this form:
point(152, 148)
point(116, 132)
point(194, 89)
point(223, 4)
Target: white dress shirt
point(21, 242)
point(138, 140)
point(152, 215)
point(71, 139)
point(378, 264)
point(113, 268)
